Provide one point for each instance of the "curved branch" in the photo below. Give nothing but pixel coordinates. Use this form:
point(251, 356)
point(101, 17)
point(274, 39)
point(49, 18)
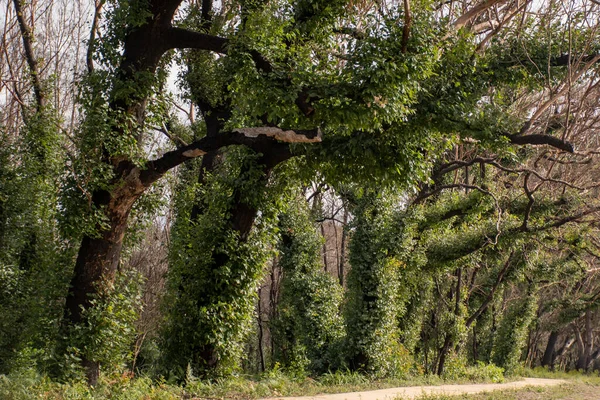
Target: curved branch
point(274, 141)
point(91, 41)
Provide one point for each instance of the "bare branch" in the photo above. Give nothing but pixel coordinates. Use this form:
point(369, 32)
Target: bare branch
point(27, 36)
point(474, 12)
point(91, 42)
point(541, 139)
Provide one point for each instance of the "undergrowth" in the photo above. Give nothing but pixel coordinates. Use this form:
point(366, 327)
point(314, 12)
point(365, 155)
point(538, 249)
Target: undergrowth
point(27, 384)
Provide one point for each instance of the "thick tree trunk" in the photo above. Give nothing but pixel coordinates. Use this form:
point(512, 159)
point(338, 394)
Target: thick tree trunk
point(241, 220)
point(98, 257)
point(549, 354)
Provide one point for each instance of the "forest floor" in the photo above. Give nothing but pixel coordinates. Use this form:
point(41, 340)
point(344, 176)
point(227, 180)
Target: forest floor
point(526, 389)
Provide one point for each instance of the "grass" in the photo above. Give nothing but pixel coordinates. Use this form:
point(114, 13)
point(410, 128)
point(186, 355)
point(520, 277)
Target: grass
point(29, 385)
point(579, 387)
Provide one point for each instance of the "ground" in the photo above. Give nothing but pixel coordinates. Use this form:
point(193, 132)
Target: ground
point(527, 389)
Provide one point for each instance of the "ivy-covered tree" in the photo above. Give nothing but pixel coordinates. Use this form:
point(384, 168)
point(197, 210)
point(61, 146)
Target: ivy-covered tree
point(309, 330)
point(356, 91)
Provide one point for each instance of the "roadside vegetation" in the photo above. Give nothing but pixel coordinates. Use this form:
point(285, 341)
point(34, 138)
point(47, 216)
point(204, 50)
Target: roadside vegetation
point(29, 385)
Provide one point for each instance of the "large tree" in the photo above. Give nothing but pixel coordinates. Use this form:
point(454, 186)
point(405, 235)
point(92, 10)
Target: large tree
point(371, 89)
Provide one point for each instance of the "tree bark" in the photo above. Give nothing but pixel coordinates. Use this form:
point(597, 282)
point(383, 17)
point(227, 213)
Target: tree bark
point(549, 354)
point(34, 70)
point(261, 352)
point(342, 260)
point(585, 343)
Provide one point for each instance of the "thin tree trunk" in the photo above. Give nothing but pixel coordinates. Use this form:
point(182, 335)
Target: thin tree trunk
point(585, 343)
point(324, 247)
point(261, 353)
point(443, 354)
point(273, 298)
point(475, 348)
point(342, 260)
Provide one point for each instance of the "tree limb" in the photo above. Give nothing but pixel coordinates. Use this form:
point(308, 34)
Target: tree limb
point(27, 36)
point(490, 296)
point(474, 12)
point(90, 49)
point(541, 139)
point(263, 140)
point(180, 38)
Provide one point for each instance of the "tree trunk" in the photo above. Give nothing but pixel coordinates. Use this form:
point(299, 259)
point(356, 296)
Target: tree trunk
point(206, 357)
point(324, 247)
point(443, 354)
point(261, 352)
point(98, 257)
point(585, 343)
point(342, 260)
point(549, 355)
point(448, 339)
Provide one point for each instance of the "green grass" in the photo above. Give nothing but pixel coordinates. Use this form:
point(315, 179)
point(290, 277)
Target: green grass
point(29, 385)
point(579, 387)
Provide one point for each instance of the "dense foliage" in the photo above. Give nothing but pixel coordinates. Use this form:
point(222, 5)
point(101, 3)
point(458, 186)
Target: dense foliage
point(343, 189)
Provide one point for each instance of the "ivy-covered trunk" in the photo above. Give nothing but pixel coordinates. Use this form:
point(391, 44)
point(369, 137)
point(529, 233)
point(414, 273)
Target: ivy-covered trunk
point(374, 303)
point(217, 257)
point(308, 330)
point(98, 258)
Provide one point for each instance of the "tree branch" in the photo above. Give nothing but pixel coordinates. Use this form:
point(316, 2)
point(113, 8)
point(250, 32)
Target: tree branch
point(541, 139)
point(180, 38)
point(353, 32)
point(27, 36)
point(474, 12)
point(490, 296)
point(90, 50)
point(274, 141)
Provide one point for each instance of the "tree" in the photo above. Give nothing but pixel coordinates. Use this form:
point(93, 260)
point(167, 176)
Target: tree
point(355, 91)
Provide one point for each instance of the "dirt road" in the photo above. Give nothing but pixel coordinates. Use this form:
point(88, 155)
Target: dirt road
point(413, 392)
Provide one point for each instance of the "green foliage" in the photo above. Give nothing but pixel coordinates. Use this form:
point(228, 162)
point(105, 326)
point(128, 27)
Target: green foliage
point(309, 327)
point(214, 271)
point(457, 368)
point(33, 256)
point(375, 294)
point(512, 333)
point(108, 331)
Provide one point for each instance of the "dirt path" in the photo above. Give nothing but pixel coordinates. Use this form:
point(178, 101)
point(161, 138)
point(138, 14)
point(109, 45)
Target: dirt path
point(413, 392)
